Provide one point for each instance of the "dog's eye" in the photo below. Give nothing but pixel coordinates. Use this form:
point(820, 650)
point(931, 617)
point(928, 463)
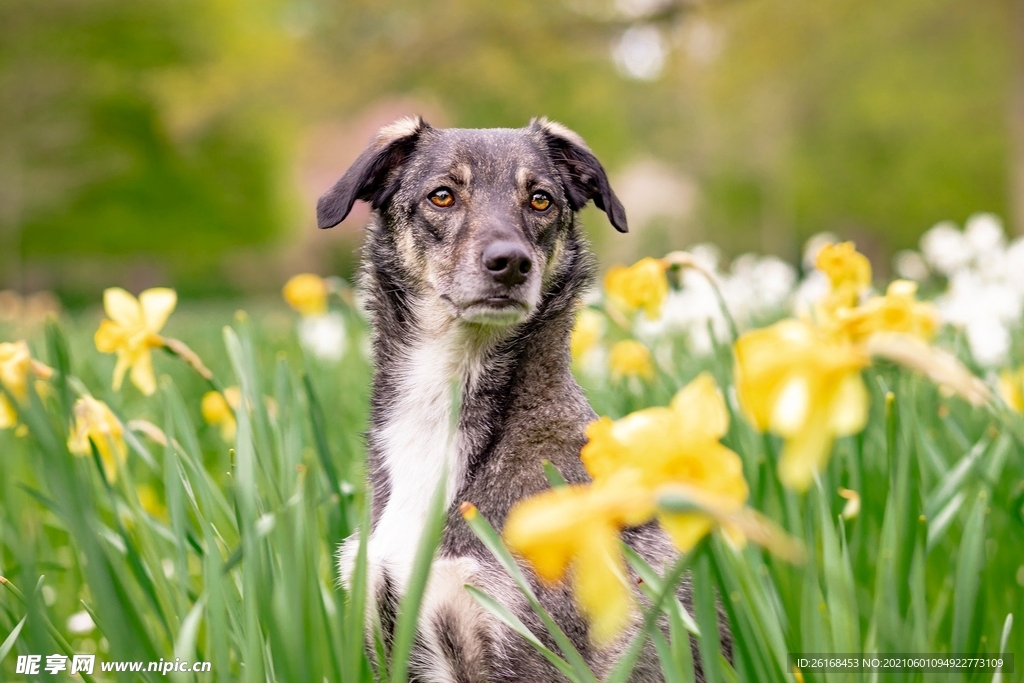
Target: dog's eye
point(540, 201)
point(441, 197)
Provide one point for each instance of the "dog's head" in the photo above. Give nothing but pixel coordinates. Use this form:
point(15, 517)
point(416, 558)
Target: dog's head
point(479, 218)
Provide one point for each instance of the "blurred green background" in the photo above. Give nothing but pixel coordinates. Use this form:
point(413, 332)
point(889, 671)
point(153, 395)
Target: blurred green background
point(184, 142)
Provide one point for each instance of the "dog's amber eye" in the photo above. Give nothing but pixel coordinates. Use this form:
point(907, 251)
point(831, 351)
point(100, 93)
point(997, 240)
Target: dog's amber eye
point(442, 197)
point(540, 201)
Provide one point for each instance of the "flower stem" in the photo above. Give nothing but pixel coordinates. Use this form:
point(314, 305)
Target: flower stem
point(683, 259)
point(178, 348)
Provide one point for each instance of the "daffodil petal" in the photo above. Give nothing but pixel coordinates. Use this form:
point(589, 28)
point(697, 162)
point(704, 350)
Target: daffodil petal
point(113, 452)
point(142, 373)
point(764, 359)
point(601, 585)
point(8, 416)
point(545, 529)
point(902, 288)
point(122, 307)
point(849, 409)
point(15, 365)
point(95, 423)
point(120, 368)
point(701, 409)
point(803, 454)
point(106, 458)
point(78, 440)
point(1011, 388)
point(724, 477)
point(685, 528)
point(789, 414)
point(642, 285)
point(602, 453)
point(109, 337)
point(157, 305)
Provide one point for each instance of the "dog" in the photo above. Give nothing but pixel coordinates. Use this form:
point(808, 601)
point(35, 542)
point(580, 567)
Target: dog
point(473, 270)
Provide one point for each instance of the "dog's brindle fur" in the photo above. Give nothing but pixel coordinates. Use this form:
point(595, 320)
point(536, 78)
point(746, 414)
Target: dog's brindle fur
point(472, 378)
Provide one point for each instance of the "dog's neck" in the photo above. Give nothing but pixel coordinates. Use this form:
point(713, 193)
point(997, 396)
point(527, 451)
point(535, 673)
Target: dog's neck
point(442, 390)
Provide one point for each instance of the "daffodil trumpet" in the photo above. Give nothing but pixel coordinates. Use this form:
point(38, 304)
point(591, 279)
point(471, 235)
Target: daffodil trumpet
point(796, 381)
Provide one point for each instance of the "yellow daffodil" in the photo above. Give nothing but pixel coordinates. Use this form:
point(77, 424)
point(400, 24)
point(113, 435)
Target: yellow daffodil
point(133, 331)
point(631, 461)
point(586, 334)
point(219, 411)
point(15, 364)
point(630, 358)
point(897, 311)
point(848, 271)
point(94, 422)
point(1011, 388)
point(641, 285)
point(579, 526)
point(16, 367)
point(307, 294)
point(844, 266)
point(795, 381)
point(675, 445)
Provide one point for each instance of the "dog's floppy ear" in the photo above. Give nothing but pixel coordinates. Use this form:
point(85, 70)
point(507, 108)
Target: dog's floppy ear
point(368, 177)
point(582, 174)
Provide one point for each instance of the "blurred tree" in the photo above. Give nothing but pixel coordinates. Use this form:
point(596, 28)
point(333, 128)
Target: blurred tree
point(487, 64)
point(89, 163)
point(1016, 15)
point(865, 117)
point(871, 118)
point(169, 128)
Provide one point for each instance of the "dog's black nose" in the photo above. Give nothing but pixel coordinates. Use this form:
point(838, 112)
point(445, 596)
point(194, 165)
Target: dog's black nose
point(507, 262)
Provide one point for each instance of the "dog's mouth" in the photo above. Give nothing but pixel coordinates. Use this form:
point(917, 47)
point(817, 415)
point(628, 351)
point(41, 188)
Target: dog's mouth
point(497, 303)
point(494, 310)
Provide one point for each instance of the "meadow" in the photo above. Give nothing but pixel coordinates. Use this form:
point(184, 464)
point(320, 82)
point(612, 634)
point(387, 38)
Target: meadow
point(876, 508)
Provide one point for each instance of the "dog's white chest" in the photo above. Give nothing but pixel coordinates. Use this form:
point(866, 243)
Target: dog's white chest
point(420, 446)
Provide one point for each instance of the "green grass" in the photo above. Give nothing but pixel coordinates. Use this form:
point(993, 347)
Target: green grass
point(240, 568)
